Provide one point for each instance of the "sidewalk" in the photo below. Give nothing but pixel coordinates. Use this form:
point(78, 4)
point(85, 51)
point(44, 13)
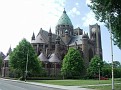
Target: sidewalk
point(52, 86)
point(68, 87)
point(59, 87)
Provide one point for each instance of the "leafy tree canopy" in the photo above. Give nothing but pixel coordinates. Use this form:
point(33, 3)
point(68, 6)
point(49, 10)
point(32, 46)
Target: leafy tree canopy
point(116, 64)
point(94, 66)
point(18, 58)
point(72, 63)
point(106, 70)
point(102, 10)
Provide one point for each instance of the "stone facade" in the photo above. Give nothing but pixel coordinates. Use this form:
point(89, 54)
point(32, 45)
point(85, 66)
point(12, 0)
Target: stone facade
point(51, 48)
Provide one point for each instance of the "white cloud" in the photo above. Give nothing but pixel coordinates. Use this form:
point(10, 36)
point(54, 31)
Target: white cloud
point(74, 12)
point(77, 4)
point(89, 19)
point(88, 2)
point(19, 18)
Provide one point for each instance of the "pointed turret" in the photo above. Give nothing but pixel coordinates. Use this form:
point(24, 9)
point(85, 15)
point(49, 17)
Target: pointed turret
point(50, 39)
point(50, 33)
point(33, 36)
point(9, 51)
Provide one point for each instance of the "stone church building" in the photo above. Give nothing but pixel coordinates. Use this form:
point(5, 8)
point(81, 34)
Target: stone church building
point(51, 48)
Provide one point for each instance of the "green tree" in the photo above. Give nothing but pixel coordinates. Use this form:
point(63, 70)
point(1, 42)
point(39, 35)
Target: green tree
point(106, 65)
point(94, 66)
point(102, 10)
point(116, 64)
point(72, 64)
point(18, 58)
point(107, 69)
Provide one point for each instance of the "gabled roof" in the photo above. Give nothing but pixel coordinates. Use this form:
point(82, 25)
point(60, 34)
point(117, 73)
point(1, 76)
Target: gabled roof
point(42, 37)
point(39, 38)
point(54, 58)
point(42, 57)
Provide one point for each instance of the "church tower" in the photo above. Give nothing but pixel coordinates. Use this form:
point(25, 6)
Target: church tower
point(95, 36)
point(85, 40)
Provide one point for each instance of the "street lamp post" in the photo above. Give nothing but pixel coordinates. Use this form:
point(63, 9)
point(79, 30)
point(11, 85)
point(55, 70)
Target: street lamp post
point(26, 68)
point(46, 68)
point(111, 52)
point(55, 69)
point(99, 71)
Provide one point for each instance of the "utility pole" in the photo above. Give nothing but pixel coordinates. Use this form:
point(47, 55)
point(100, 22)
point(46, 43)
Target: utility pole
point(26, 68)
point(111, 52)
point(99, 71)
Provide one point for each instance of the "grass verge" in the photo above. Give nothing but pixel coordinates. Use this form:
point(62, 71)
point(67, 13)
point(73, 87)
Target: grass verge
point(76, 82)
point(109, 87)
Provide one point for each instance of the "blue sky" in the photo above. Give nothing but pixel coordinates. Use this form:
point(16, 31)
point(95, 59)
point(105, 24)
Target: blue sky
point(20, 18)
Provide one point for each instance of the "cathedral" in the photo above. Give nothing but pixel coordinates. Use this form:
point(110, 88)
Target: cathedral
point(51, 48)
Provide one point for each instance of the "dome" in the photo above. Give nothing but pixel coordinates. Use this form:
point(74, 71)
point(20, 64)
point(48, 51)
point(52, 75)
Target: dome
point(64, 19)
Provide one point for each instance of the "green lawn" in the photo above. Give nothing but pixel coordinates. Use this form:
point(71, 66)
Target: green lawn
point(83, 83)
point(76, 82)
point(116, 87)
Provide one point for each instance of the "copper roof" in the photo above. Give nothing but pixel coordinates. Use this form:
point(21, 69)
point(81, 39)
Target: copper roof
point(64, 19)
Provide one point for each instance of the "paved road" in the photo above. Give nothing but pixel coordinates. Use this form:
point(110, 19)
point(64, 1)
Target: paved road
point(11, 85)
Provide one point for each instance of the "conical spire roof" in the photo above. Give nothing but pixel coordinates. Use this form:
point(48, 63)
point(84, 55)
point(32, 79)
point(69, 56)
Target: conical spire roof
point(42, 57)
point(9, 51)
point(64, 19)
point(54, 58)
point(33, 36)
point(50, 30)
